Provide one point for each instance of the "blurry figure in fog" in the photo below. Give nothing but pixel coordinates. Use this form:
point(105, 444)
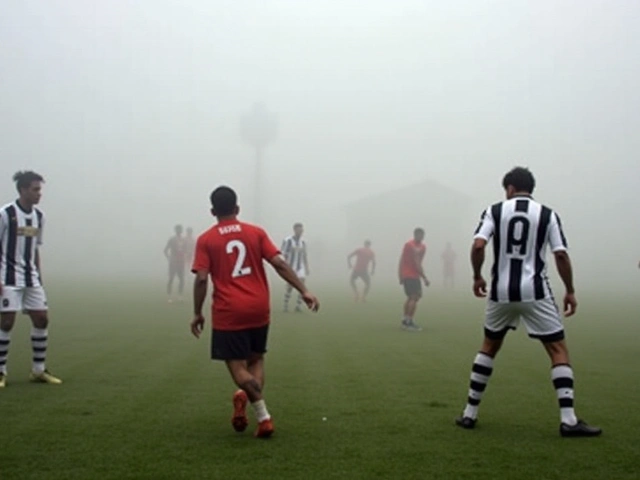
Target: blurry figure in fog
point(294, 250)
point(364, 258)
point(448, 266)
point(176, 253)
point(410, 273)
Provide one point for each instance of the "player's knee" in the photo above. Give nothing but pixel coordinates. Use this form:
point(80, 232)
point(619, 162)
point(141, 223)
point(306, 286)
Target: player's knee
point(254, 359)
point(491, 346)
point(39, 319)
point(7, 320)
point(558, 351)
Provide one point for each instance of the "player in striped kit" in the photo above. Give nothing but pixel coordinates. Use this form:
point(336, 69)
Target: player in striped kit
point(294, 250)
point(21, 226)
point(521, 229)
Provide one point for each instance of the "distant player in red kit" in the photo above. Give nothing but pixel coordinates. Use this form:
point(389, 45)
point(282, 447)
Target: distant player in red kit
point(232, 253)
point(175, 253)
point(364, 258)
point(410, 273)
point(448, 266)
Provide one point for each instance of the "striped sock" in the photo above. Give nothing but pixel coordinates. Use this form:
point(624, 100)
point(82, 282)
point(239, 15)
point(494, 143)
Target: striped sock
point(299, 302)
point(562, 376)
point(39, 344)
point(5, 339)
point(480, 373)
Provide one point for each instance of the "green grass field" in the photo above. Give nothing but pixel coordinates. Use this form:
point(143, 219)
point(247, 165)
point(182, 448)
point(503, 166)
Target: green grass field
point(142, 400)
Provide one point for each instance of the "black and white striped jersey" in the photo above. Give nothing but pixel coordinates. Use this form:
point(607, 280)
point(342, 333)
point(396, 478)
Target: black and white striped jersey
point(294, 251)
point(20, 235)
point(520, 230)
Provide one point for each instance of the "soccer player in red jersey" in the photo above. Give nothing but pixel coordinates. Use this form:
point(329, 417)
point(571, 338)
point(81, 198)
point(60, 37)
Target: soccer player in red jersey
point(364, 257)
point(410, 272)
point(232, 253)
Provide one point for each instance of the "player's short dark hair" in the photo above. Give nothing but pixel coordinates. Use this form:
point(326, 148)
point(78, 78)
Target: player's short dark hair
point(418, 231)
point(224, 201)
point(25, 178)
point(297, 225)
point(519, 178)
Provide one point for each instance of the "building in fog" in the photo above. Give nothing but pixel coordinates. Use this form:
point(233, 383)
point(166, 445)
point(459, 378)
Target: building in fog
point(389, 218)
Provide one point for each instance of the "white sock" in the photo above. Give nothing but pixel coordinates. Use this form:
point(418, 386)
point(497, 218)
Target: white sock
point(5, 339)
point(260, 409)
point(39, 345)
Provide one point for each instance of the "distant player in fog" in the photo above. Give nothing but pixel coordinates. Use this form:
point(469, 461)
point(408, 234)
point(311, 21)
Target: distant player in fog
point(175, 252)
point(364, 257)
point(294, 251)
point(410, 273)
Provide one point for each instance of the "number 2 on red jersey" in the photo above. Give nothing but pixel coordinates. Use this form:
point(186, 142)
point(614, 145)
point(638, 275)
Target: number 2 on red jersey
point(239, 270)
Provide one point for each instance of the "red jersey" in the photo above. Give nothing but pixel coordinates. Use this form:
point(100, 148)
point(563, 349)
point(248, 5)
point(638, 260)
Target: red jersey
point(364, 256)
point(412, 255)
point(233, 253)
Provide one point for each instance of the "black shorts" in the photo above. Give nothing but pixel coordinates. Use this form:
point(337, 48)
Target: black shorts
point(238, 344)
point(363, 275)
point(412, 287)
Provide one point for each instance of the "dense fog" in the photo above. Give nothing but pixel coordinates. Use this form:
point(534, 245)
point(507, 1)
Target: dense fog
point(358, 119)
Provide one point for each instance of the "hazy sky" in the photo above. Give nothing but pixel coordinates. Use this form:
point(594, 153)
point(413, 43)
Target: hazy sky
point(131, 109)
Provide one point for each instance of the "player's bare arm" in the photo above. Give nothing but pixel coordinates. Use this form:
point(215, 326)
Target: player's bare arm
point(373, 265)
point(563, 264)
point(477, 260)
point(288, 275)
point(199, 295)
